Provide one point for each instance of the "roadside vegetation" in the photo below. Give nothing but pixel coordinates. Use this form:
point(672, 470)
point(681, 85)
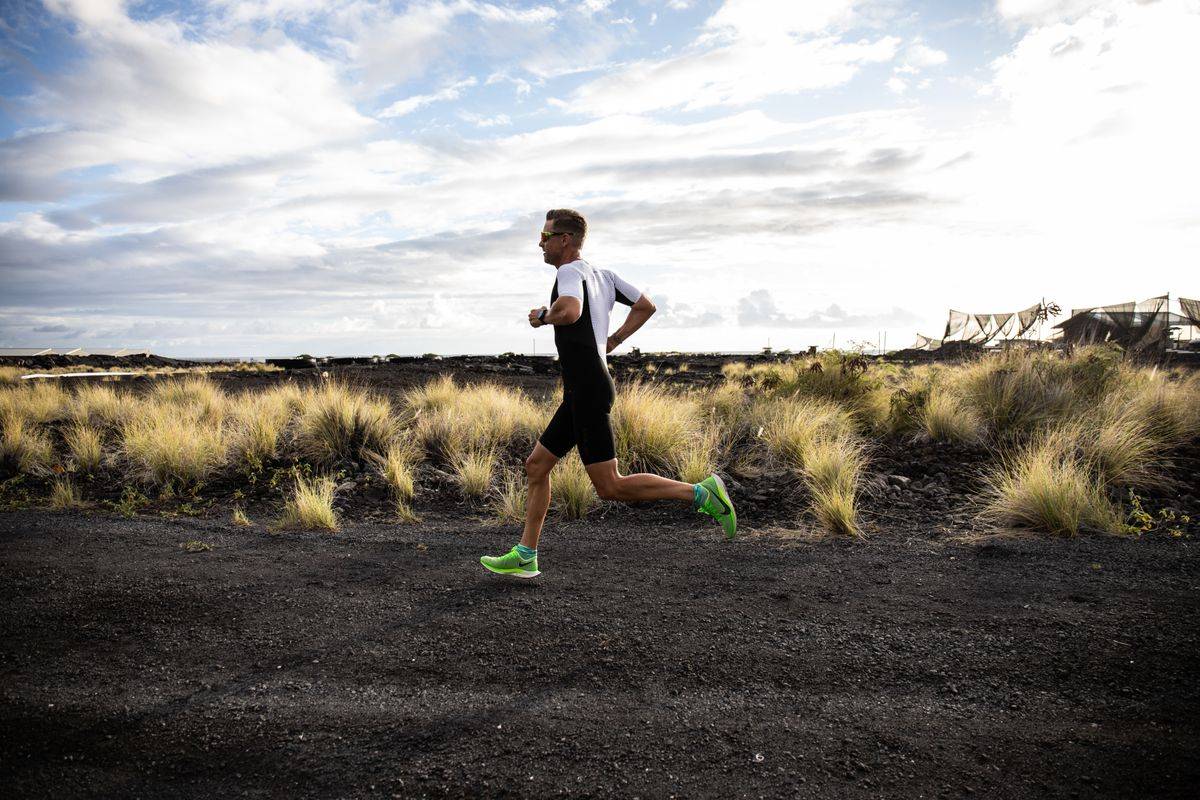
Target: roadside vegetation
point(1063, 439)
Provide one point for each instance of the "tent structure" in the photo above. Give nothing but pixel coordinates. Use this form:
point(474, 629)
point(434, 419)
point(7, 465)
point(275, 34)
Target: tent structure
point(1140, 326)
point(1191, 311)
point(983, 328)
point(926, 343)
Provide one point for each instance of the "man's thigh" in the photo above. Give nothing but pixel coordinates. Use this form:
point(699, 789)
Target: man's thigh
point(559, 436)
point(594, 434)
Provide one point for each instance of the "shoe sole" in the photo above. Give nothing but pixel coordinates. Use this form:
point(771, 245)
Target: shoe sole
point(519, 573)
point(732, 511)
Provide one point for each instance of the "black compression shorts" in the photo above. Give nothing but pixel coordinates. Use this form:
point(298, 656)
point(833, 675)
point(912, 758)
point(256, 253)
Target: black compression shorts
point(582, 420)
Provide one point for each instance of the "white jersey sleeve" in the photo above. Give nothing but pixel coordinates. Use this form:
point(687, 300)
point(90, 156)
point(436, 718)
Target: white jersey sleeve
point(626, 292)
point(570, 282)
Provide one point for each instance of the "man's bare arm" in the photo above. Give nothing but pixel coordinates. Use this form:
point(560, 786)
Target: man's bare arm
point(566, 309)
point(638, 314)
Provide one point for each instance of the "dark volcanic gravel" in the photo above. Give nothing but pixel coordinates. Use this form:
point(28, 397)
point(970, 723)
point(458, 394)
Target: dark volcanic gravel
point(650, 659)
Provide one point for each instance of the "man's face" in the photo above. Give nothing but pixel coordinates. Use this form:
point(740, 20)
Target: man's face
point(553, 244)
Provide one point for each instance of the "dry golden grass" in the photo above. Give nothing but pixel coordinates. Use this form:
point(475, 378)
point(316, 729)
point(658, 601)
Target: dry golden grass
point(86, 447)
point(699, 457)
point(1017, 393)
point(101, 406)
point(396, 466)
point(11, 375)
point(451, 420)
point(36, 403)
point(240, 519)
point(571, 487)
point(311, 506)
point(405, 513)
point(166, 445)
point(195, 395)
point(655, 428)
point(1044, 486)
point(337, 422)
point(734, 370)
point(945, 418)
point(24, 446)
point(790, 428)
point(832, 376)
point(258, 422)
point(473, 471)
point(438, 393)
point(511, 497)
point(833, 471)
point(64, 495)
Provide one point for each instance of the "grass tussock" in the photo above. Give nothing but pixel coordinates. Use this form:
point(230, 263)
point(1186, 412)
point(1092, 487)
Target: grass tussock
point(100, 406)
point(339, 423)
point(791, 427)
point(699, 457)
point(657, 430)
point(1017, 393)
point(166, 445)
point(405, 513)
point(397, 468)
point(571, 487)
point(24, 447)
point(258, 423)
point(945, 418)
point(511, 498)
point(35, 403)
point(11, 375)
point(473, 471)
point(65, 495)
point(240, 519)
point(832, 471)
point(1045, 486)
point(453, 420)
point(311, 506)
point(836, 377)
point(85, 445)
point(194, 395)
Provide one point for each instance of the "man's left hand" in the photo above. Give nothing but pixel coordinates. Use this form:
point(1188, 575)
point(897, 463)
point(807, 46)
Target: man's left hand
point(533, 317)
point(613, 343)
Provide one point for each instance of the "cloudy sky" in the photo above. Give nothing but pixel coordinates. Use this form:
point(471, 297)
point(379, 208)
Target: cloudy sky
point(349, 176)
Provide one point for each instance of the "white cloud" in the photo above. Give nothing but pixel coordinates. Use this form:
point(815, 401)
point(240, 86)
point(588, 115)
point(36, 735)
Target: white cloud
point(1043, 11)
point(754, 19)
point(897, 84)
point(748, 51)
point(151, 99)
point(729, 75)
point(481, 121)
point(411, 104)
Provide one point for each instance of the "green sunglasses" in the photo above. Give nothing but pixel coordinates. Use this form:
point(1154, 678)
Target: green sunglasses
point(547, 234)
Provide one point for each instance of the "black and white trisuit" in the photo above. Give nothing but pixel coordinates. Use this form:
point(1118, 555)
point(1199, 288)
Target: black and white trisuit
point(582, 420)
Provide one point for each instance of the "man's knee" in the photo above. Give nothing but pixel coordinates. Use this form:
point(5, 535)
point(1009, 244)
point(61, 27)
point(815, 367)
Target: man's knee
point(537, 468)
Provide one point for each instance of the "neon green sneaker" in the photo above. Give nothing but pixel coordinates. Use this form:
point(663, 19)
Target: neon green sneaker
point(719, 506)
point(511, 564)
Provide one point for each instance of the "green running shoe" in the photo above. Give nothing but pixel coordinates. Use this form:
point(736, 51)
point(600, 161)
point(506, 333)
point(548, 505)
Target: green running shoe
point(511, 564)
point(719, 506)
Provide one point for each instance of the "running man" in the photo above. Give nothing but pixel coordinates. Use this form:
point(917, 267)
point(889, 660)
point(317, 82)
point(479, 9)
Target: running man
point(580, 304)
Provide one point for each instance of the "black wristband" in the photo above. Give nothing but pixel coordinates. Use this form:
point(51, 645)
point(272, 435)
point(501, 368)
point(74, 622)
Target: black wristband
point(542, 315)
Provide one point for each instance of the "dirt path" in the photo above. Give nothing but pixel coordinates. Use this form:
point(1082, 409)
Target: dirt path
point(384, 662)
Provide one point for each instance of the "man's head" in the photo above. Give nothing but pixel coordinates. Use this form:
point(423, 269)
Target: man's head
point(562, 236)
